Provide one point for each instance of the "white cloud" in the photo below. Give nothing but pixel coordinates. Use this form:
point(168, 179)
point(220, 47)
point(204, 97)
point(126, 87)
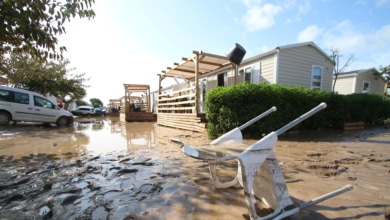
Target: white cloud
point(379, 40)
point(265, 48)
point(310, 33)
point(352, 40)
point(261, 17)
point(304, 7)
point(370, 48)
point(298, 8)
point(251, 3)
point(380, 3)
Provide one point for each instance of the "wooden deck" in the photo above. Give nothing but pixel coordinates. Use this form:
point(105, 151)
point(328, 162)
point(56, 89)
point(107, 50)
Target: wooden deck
point(136, 106)
point(184, 109)
point(178, 110)
point(182, 121)
point(352, 126)
point(114, 114)
point(138, 117)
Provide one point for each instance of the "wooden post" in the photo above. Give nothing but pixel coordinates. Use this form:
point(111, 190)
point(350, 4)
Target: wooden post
point(159, 92)
point(125, 100)
point(148, 99)
point(159, 83)
point(235, 69)
point(196, 62)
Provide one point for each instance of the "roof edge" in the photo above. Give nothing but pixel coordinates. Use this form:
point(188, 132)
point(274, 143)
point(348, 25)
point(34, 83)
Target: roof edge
point(308, 43)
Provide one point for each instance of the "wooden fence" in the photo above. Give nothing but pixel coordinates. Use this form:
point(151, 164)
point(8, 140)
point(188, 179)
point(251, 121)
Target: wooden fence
point(178, 109)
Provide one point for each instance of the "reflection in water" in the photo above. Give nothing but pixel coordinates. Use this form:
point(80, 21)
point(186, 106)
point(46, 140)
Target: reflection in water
point(89, 135)
point(17, 141)
point(137, 134)
point(95, 136)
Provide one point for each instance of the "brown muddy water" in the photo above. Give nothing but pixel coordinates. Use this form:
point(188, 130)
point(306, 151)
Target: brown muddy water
point(102, 168)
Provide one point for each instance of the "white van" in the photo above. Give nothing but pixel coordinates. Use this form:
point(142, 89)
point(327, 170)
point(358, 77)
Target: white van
point(23, 105)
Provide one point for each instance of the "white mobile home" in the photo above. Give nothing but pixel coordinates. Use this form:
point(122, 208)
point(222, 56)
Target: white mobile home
point(360, 81)
point(303, 64)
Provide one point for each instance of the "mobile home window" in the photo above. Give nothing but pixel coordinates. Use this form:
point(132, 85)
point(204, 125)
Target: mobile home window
point(221, 79)
point(316, 77)
point(248, 74)
point(366, 87)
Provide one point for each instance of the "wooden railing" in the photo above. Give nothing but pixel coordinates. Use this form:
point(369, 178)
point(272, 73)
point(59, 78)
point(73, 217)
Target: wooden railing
point(181, 101)
point(139, 107)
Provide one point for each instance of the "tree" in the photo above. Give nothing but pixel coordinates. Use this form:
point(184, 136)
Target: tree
point(72, 89)
point(385, 72)
point(15, 67)
point(96, 103)
point(32, 26)
point(80, 102)
point(52, 77)
point(339, 68)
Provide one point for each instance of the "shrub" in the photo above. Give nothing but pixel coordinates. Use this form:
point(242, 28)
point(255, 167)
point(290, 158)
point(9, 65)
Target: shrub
point(230, 107)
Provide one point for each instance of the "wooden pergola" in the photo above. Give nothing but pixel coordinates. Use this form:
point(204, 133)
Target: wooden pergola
point(114, 106)
point(137, 103)
point(180, 109)
point(114, 103)
point(131, 89)
point(199, 64)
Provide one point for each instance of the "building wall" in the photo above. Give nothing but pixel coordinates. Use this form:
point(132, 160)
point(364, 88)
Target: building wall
point(344, 85)
point(295, 67)
point(353, 83)
point(212, 79)
point(230, 75)
point(211, 82)
point(267, 69)
point(263, 69)
point(289, 66)
point(377, 86)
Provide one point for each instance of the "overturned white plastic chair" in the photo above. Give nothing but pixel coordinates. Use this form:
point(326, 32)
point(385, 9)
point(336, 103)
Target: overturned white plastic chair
point(258, 170)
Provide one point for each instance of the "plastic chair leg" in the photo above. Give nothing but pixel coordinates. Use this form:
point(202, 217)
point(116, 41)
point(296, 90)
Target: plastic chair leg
point(217, 183)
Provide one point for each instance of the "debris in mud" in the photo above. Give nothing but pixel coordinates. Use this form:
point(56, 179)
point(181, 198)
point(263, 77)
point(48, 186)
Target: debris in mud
point(88, 187)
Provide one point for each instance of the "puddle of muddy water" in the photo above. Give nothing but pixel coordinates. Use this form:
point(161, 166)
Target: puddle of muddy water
point(102, 168)
point(87, 136)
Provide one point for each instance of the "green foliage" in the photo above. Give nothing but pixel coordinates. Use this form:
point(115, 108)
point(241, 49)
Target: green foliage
point(385, 72)
point(31, 26)
point(80, 102)
point(368, 108)
point(230, 107)
point(96, 103)
point(44, 77)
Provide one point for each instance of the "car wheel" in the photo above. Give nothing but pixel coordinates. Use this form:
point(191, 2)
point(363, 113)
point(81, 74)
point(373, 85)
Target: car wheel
point(62, 121)
point(5, 118)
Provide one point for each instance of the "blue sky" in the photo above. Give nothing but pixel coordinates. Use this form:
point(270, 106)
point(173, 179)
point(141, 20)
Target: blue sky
point(132, 41)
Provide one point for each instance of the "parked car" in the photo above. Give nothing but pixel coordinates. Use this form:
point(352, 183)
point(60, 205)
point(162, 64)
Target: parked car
point(24, 105)
point(100, 112)
point(83, 111)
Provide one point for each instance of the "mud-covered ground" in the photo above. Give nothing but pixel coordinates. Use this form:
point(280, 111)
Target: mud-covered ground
point(135, 172)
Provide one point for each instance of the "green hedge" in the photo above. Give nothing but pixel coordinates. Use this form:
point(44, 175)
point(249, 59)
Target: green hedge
point(230, 107)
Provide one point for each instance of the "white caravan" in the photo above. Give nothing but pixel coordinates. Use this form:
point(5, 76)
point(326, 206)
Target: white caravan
point(23, 105)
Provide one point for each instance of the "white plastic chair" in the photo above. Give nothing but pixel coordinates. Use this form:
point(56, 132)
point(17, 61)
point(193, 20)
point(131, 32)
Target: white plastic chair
point(258, 170)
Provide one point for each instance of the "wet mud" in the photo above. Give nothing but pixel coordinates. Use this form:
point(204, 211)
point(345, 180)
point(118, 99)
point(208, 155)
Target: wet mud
point(114, 186)
point(106, 169)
